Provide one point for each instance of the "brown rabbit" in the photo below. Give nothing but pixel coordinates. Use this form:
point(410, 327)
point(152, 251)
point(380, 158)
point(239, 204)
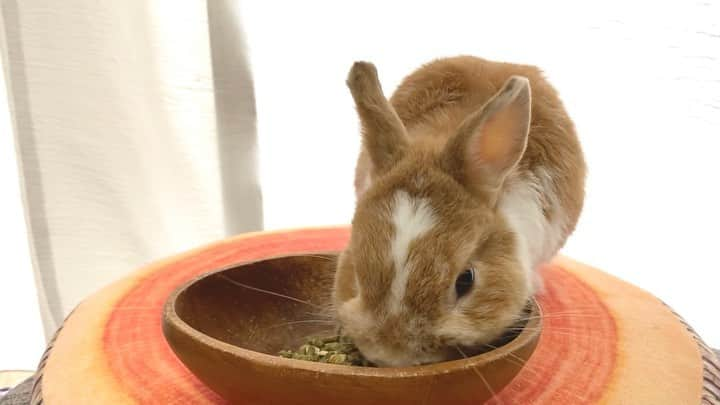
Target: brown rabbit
point(466, 184)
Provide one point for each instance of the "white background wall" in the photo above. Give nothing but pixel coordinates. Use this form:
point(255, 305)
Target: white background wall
point(641, 80)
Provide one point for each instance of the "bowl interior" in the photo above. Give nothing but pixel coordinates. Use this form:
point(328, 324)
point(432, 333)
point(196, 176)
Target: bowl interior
point(269, 305)
point(266, 306)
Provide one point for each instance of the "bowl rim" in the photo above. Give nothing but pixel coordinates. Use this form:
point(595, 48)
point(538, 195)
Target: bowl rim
point(530, 332)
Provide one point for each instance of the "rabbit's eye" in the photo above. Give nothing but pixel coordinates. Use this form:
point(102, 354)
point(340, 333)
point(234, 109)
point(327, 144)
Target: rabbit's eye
point(465, 281)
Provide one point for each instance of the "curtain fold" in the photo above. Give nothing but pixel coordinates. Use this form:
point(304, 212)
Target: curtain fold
point(135, 131)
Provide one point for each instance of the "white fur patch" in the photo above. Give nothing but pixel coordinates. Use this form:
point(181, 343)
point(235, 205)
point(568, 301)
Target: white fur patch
point(411, 218)
point(538, 239)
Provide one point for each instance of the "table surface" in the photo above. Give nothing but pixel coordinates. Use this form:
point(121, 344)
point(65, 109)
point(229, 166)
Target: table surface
point(617, 351)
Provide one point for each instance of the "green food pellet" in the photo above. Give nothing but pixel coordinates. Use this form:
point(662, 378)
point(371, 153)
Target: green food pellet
point(333, 346)
point(309, 350)
point(337, 358)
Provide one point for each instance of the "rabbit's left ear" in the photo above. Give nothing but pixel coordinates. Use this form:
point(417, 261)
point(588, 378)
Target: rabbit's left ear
point(384, 135)
point(490, 142)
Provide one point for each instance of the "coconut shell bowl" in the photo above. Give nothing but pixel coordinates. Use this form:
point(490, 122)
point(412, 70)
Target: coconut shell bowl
point(218, 328)
point(187, 330)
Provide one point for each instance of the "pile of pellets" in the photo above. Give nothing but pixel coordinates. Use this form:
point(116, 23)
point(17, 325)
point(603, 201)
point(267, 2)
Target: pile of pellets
point(334, 350)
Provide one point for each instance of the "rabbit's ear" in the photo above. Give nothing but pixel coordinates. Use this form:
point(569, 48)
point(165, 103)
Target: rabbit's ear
point(384, 135)
point(490, 142)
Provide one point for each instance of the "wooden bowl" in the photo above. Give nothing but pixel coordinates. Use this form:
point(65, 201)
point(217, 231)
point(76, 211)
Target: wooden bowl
point(228, 336)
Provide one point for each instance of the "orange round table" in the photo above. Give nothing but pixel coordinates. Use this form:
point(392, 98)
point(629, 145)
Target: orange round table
point(603, 340)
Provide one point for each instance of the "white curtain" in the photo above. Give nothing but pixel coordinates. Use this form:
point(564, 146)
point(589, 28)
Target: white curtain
point(135, 132)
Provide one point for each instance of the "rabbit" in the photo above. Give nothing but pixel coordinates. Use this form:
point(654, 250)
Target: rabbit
point(465, 184)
